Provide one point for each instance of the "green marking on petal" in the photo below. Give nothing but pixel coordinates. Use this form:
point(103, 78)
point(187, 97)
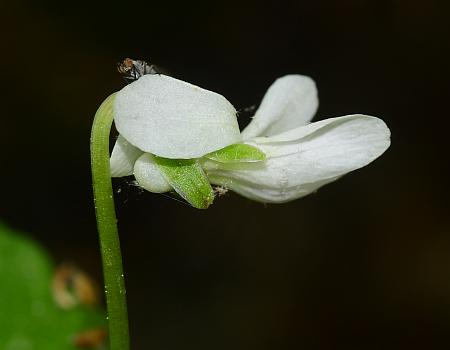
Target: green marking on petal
point(188, 179)
point(237, 153)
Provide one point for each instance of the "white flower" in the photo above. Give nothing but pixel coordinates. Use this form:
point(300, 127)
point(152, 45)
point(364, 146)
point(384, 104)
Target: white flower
point(169, 118)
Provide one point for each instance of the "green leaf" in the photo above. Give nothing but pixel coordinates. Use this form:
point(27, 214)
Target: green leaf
point(237, 153)
point(29, 317)
point(188, 179)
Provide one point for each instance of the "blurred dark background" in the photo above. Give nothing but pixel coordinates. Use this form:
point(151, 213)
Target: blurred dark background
point(363, 264)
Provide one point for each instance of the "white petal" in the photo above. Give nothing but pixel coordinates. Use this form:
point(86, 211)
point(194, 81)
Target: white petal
point(291, 101)
point(149, 176)
point(123, 157)
point(302, 160)
point(174, 119)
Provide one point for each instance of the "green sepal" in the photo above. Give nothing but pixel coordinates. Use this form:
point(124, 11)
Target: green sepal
point(237, 153)
point(188, 179)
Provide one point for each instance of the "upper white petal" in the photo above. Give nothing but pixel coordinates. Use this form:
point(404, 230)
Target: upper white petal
point(123, 157)
point(174, 119)
point(291, 101)
point(304, 159)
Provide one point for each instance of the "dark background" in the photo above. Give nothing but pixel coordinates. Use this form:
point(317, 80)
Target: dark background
point(363, 264)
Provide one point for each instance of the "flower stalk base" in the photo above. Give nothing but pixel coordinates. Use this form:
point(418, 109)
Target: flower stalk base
point(107, 228)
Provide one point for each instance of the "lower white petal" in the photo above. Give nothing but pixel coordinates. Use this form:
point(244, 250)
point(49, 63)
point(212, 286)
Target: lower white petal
point(304, 159)
point(123, 157)
point(149, 176)
point(267, 194)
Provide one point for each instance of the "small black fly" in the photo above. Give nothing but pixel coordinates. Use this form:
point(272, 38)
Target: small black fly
point(132, 70)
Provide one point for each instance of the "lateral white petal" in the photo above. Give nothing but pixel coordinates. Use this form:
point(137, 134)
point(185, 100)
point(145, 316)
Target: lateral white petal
point(123, 157)
point(174, 119)
point(149, 176)
point(302, 160)
point(291, 101)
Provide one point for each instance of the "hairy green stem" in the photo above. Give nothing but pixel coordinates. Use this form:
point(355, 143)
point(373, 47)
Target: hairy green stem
point(107, 228)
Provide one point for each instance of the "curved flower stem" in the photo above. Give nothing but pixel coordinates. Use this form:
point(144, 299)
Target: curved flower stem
point(107, 228)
